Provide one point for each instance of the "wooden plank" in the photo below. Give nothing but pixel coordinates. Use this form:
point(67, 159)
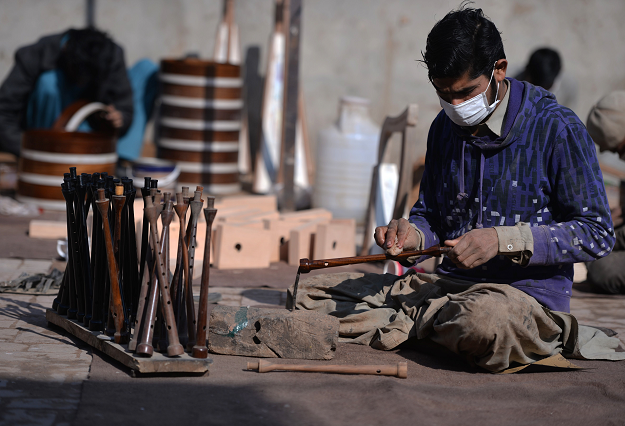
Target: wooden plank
point(301, 240)
point(258, 202)
point(47, 229)
point(238, 247)
point(335, 239)
point(272, 333)
point(247, 216)
point(306, 215)
point(158, 363)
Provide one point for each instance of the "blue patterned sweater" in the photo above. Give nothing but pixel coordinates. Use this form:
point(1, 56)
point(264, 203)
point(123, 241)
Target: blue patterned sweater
point(543, 171)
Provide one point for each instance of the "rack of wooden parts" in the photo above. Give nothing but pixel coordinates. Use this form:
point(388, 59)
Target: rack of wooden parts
point(158, 363)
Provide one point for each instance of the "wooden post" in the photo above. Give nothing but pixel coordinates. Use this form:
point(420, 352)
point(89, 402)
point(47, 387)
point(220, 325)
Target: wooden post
point(291, 94)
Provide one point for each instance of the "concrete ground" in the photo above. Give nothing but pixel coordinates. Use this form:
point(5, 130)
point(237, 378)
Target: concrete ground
point(50, 378)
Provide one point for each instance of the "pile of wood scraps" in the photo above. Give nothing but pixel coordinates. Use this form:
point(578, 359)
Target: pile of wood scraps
point(249, 232)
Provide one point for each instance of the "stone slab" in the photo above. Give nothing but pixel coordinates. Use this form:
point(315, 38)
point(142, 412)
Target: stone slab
point(272, 333)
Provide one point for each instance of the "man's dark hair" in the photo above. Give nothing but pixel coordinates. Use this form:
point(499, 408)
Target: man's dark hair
point(463, 41)
point(543, 67)
point(86, 59)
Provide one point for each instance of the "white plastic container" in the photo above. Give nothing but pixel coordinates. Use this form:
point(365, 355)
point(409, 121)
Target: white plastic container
point(346, 155)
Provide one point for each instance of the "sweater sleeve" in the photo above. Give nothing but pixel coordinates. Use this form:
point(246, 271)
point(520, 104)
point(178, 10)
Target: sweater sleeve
point(14, 94)
point(582, 230)
point(116, 89)
point(424, 214)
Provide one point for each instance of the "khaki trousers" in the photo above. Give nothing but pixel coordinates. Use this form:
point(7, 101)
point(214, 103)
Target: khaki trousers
point(491, 325)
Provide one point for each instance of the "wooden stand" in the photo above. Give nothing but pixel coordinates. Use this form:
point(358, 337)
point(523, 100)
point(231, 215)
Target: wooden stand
point(158, 363)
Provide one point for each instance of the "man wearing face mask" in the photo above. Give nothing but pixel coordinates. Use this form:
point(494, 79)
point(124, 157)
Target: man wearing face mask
point(512, 184)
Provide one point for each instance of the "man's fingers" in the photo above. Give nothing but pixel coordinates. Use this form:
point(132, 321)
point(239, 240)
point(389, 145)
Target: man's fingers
point(380, 235)
point(391, 233)
point(403, 232)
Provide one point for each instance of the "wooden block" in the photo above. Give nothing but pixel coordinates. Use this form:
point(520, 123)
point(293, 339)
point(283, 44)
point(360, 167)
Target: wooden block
point(280, 236)
point(335, 239)
point(47, 229)
point(272, 333)
point(238, 247)
point(305, 215)
point(259, 202)
point(301, 240)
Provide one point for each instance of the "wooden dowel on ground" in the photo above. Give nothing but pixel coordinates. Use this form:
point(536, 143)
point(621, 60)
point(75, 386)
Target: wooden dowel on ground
point(400, 370)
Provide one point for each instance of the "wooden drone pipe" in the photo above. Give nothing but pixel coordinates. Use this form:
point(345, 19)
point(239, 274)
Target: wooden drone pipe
point(115, 304)
point(200, 349)
point(400, 370)
point(307, 265)
point(174, 348)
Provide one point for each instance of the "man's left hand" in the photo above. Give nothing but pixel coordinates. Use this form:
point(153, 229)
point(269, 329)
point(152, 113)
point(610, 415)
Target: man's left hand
point(474, 248)
point(114, 116)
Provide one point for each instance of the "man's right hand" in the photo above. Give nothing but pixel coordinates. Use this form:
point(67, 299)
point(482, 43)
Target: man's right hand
point(407, 237)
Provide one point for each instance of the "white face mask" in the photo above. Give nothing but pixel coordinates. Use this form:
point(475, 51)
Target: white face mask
point(472, 111)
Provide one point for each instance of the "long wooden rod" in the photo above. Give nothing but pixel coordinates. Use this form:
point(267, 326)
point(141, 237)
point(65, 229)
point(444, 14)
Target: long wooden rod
point(307, 265)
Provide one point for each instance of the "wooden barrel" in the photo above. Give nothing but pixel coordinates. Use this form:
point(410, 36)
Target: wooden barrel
point(200, 120)
point(47, 154)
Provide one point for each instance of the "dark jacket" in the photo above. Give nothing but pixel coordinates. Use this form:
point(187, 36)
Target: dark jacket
point(542, 171)
point(30, 62)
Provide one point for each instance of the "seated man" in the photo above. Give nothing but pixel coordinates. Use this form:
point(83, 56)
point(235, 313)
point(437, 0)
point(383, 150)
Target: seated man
point(606, 125)
point(544, 69)
point(512, 183)
point(62, 68)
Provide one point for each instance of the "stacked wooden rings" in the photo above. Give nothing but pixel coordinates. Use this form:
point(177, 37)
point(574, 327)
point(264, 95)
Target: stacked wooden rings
point(47, 154)
point(200, 120)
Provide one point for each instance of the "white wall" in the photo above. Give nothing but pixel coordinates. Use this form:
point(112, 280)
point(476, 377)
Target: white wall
point(359, 47)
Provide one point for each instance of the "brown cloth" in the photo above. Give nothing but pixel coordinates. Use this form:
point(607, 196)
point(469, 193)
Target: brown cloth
point(494, 326)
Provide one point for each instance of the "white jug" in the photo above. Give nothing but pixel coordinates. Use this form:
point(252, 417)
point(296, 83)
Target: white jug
point(346, 155)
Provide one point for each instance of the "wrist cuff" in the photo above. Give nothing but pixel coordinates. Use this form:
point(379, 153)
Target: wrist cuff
point(516, 242)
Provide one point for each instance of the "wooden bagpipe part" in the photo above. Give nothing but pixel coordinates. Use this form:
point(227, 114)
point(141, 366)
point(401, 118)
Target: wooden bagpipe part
point(160, 338)
point(98, 261)
point(195, 205)
point(400, 370)
point(200, 350)
point(68, 304)
point(115, 303)
point(83, 241)
point(174, 348)
point(307, 265)
point(76, 300)
point(147, 329)
point(184, 282)
point(145, 272)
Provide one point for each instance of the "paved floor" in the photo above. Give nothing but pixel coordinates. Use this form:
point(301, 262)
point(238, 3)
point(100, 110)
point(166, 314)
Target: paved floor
point(50, 378)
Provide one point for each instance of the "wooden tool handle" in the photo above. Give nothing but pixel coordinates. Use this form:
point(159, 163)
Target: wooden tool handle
point(400, 370)
point(307, 265)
